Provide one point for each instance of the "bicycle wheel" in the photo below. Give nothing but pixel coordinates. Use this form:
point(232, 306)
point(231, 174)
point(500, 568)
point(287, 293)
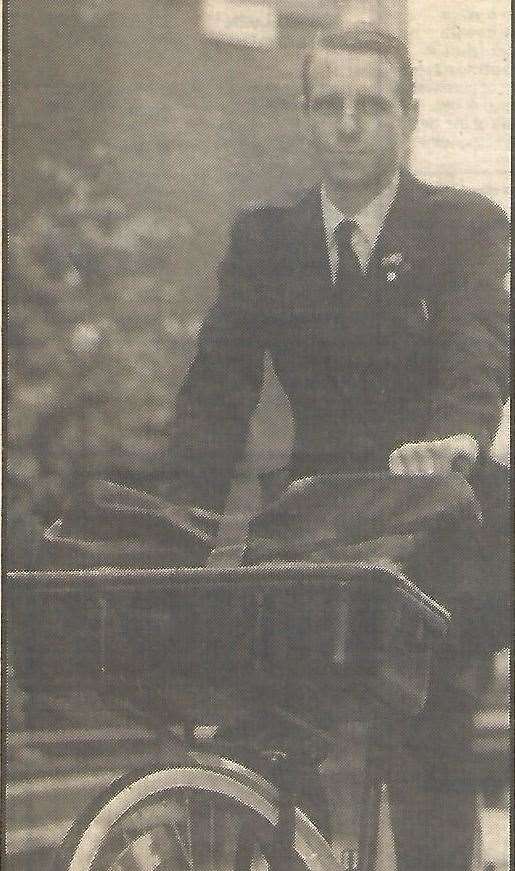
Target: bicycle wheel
point(186, 819)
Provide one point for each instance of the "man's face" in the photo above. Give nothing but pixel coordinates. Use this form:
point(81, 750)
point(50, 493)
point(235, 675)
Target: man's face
point(358, 127)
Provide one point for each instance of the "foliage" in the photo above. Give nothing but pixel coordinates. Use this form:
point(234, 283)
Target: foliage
point(95, 351)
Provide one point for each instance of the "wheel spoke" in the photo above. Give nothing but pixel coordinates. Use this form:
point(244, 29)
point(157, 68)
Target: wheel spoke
point(212, 835)
point(144, 855)
point(188, 831)
point(183, 846)
point(169, 850)
point(157, 850)
point(148, 839)
point(138, 856)
point(185, 827)
point(208, 834)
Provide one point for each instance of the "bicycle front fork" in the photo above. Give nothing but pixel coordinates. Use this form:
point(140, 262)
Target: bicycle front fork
point(282, 852)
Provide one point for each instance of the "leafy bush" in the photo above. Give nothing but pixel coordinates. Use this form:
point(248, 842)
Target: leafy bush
point(95, 352)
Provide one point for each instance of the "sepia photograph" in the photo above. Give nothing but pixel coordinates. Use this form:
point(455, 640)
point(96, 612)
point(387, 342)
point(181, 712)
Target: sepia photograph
point(257, 587)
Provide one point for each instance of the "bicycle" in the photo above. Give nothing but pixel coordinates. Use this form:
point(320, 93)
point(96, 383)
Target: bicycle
point(242, 702)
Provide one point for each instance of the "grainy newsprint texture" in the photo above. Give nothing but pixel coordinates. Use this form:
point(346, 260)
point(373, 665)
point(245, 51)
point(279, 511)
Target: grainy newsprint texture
point(257, 598)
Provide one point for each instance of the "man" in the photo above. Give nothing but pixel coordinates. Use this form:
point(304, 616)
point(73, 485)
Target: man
point(380, 301)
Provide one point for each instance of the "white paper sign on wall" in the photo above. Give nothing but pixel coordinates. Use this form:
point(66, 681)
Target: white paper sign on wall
point(252, 24)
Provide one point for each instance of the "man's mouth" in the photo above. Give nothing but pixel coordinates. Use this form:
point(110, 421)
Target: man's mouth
point(348, 157)
point(346, 153)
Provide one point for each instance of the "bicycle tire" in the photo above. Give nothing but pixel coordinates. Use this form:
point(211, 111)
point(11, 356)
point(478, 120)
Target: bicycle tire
point(88, 846)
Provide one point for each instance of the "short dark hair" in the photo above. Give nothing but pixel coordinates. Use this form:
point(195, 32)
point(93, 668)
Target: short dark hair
point(365, 38)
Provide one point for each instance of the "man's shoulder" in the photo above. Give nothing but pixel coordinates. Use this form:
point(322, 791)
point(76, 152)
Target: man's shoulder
point(283, 201)
point(464, 228)
point(461, 206)
point(267, 216)
point(462, 210)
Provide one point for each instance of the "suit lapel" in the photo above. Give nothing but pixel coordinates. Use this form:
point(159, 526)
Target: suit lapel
point(397, 270)
point(306, 286)
point(403, 226)
point(309, 263)
point(401, 233)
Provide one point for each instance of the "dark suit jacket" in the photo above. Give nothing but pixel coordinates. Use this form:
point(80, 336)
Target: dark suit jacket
point(425, 355)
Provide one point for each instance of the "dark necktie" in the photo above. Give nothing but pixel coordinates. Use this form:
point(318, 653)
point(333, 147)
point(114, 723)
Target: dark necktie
point(354, 296)
point(349, 272)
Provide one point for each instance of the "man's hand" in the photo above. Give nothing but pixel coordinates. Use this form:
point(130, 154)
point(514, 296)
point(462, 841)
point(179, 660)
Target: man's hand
point(433, 457)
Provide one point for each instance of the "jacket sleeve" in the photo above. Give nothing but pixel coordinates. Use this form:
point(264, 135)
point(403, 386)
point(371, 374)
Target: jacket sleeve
point(471, 336)
point(222, 387)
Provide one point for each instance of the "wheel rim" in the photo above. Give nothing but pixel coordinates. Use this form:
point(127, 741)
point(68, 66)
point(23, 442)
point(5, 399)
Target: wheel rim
point(150, 846)
point(183, 831)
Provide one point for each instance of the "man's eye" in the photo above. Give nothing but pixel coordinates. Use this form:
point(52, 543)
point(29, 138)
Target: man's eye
point(327, 105)
point(373, 105)
point(365, 105)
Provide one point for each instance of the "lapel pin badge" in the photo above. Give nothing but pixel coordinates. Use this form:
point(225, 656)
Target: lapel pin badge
point(392, 260)
point(393, 264)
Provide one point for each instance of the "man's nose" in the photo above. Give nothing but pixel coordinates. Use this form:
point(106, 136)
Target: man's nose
point(348, 124)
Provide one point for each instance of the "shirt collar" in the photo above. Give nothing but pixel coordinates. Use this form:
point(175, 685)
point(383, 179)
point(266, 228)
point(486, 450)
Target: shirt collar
point(370, 219)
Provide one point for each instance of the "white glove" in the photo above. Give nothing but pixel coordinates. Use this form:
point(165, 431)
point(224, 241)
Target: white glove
point(432, 457)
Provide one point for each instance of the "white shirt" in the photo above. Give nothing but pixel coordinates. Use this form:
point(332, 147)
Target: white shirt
point(370, 223)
